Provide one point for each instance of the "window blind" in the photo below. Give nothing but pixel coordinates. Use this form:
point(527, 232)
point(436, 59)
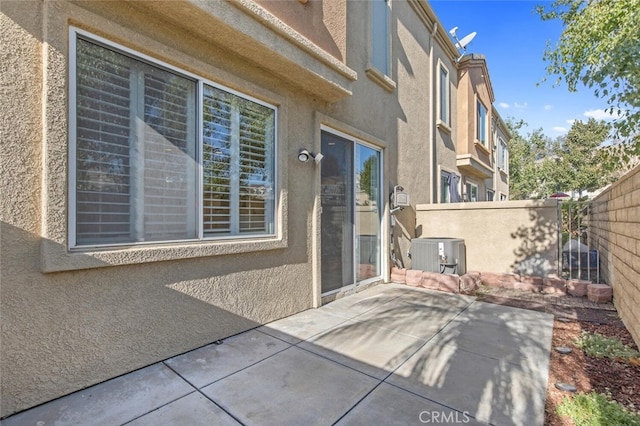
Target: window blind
point(138, 169)
point(135, 150)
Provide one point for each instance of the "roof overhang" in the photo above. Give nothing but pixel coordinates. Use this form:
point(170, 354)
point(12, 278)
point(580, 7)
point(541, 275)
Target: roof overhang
point(470, 165)
point(249, 31)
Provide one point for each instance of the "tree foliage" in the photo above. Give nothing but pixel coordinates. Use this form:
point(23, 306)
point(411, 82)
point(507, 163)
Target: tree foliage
point(600, 49)
point(575, 163)
point(580, 157)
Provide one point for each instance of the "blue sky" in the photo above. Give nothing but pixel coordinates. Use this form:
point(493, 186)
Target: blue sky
point(512, 37)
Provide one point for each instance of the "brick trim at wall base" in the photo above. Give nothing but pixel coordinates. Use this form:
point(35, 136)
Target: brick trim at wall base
point(471, 281)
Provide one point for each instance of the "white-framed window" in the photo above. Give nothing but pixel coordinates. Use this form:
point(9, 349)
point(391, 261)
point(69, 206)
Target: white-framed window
point(472, 192)
point(490, 194)
point(445, 189)
point(481, 124)
point(380, 35)
point(503, 197)
point(503, 156)
point(159, 154)
point(443, 95)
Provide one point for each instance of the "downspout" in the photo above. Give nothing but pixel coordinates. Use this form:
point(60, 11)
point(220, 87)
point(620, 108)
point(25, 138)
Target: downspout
point(432, 110)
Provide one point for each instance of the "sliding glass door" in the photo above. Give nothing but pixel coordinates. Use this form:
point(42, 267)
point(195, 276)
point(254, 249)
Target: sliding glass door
point(350, 199)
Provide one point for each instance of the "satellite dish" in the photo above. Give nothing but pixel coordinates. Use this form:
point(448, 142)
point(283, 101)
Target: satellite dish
point(462, 44)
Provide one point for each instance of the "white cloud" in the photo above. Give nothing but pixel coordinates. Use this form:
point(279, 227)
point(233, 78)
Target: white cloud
point(559, 129)
point(571, 121)
point(548, 107)
point(600, 114)
point(504, 105)
point(520, 106)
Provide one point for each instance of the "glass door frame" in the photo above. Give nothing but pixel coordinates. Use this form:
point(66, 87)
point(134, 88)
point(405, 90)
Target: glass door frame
point(382, 201)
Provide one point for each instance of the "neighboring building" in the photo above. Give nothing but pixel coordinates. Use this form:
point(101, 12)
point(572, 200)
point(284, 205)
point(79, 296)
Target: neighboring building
point(500, 182)
point(153, 194)
point(474, 147)
point(473, 153)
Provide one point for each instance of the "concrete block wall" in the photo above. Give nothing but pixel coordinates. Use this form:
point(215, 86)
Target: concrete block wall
point(614, 230)
point(518, 237)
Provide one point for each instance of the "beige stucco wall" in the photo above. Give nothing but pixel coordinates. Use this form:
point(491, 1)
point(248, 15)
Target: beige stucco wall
point(614, 230)
point(72, 319)
point(109, 312)
point(322, 22)
point(510, 237)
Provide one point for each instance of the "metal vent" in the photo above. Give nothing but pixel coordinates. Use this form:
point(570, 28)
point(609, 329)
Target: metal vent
point(439, 255)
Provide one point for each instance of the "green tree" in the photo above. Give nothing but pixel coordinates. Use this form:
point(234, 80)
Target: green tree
point(581, 157)
point(368, 176)
point(600, 49)
point(540, 166)
point(528, 169)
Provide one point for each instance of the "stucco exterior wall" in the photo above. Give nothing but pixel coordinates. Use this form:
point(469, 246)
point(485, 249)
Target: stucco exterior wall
point(322, 22)
point(71, 319)
point(62, 331)
point(510, 237)
point(614, 230)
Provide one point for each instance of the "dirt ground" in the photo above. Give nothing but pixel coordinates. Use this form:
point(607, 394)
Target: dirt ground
point(618, 377)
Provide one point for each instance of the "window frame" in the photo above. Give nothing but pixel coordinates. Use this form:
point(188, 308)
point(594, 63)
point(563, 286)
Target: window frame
point(444, 97)
point(503, 156)
point(491, 195)
point(482, 134)
point(445, 196)
point(471, 186)
point(381, 41)
point(274, 210)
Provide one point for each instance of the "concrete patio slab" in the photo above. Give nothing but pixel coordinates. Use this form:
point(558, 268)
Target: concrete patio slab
point(299, 327)
point(391, 406)
point(521, 320)
point(491, 390)
point(293, 387)
point(194, 409)
point(414, 319)
point(513, 336)
point(204, 366)
point(364, 347)
point(364, 301)
point(114, 402)
point(429, 297)
point(391, 354)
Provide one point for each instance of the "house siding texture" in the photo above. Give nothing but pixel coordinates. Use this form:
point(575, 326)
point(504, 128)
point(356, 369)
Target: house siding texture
point(74, 318)
point(510, 237)
point(614, 230)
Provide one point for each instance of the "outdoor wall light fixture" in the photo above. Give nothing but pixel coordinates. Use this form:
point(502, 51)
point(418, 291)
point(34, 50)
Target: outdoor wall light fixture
point(304, 156)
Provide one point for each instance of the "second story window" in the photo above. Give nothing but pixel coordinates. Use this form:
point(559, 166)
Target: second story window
point(481, 124)
point(380, 35)
point(443, 95)
point(445, 193)
point(503, 156)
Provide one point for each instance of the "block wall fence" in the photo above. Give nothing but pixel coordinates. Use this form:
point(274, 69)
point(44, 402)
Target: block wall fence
point(614, 230)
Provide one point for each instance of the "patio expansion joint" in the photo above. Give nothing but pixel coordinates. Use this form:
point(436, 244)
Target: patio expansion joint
point(161, 406)
point(384, 379)
point(513, 363)
point(232, 373)
point(199, 391)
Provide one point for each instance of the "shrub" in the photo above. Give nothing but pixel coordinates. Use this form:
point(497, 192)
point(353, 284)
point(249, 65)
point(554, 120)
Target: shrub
point(600, 346)
point(595, 409)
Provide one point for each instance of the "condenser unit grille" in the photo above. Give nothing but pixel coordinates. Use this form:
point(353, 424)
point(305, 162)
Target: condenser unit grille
point(439, 255)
